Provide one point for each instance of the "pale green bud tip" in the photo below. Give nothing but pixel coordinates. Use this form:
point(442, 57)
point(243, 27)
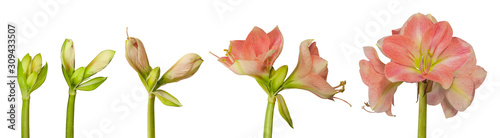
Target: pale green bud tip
point(183, 68)
point(68, 55)
point(99, 62)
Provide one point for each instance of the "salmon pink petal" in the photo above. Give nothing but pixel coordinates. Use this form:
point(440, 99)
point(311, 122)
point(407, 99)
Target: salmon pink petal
point(436, 95)
point(456, 54)
point(478, 76)
point(372, 56)
point(366, 71)
point(416, 26)
point(276, 43)
point(256, 44)
point(315, 84)
point(401, 49)
point(436, 38)
point(468, 67)
point(380, 43)
point(381, 93)
point(396, 31)
point(441, 74)
point(236, 49)
point(396, 72)
point(461, 93)
point(304, 66)
point(448, 110)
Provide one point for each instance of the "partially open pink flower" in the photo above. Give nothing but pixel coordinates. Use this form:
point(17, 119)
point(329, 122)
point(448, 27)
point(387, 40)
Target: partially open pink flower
point(381, 90)
point(254, 56)
point(311, 72)
point(461, 92)
point(424, 49)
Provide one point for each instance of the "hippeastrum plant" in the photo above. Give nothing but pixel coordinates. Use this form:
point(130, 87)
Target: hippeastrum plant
point(79, 79)
point(184, 68)
point(30, 75)
point(255, 57)
point(425, 52)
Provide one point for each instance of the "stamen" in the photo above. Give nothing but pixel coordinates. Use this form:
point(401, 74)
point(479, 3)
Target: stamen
point(425, 63)
point(213, 54)
point(341, 100)
point(367, 105)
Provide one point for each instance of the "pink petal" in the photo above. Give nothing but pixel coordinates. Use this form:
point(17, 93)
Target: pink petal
point(366, 71)
point(276, 41)
point(478, 76)
point(317, 85)
point(436, 95)
point(236, 49)
point(248, 67)
point(396, 31)
point(441, 74)
point(455, 55)
point(401, 49)
point(313, 49)
point(380, 43)
point(226, 61)
point(305, 65)
point(461, 93)
point(257, 43)
point(415, 27)
point(468, 67)
point(320, 66)
point(396, 72)
point(381, 93)
point(436, 38)
point(372, 56)
point(448, 110)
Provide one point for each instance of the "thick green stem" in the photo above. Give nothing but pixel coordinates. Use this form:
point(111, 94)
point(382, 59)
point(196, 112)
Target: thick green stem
point(25, 119)
point(70, 114)
point(422, 110)
point(151, 116)
point(268, 124)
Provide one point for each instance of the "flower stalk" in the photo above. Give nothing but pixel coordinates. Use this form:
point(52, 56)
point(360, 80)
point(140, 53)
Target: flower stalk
point(151, 116)
point(268, 124)
point(422, 109)
point(25, 119)
point(70, 114)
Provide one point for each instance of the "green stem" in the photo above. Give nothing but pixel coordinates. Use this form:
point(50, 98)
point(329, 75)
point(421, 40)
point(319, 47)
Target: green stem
point(70, 114)
point(151, 116)
point(25, 119)
point(422, 110)
point(268, 124)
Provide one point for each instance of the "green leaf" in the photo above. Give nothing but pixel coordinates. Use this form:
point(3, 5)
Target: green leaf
point(99, 63)
point(277, 77)
point(21, 78)
point(77, 77)
point(284, 110)
point(91, 84)
point(67, 77)
point(41, 78)
point(153, 78)
point(167, 99)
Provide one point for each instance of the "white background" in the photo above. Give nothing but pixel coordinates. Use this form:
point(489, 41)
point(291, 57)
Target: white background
point(216, 102)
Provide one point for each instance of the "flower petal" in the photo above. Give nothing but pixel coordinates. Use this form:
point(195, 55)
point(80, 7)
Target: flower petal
point(320, 66)
point(448, 110)
point(436, 95)
point(436, 38)
point(256, 44)
point(401, 49)
point(441, 74)
point(236, 49)
point(247, 67)
point(415, 27)
point(315, 84)
point(478, 76)
point(461, 93)
point(455, 55)
point(397, 72)
point(366, 71)
point(381, 93)
point(372, 56)
point(276, 43)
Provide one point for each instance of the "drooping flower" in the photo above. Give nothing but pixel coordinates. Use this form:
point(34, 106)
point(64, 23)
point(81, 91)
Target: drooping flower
point(424, 49)
point(380, 89)
point(311, 72)
point(254, 56)
point(461, 92)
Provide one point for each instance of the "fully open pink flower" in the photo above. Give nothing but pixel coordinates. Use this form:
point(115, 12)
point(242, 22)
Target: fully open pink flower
point(424, 49)
point(311, 72)
point(254, 56)
point(381, 90)
point(461, 92)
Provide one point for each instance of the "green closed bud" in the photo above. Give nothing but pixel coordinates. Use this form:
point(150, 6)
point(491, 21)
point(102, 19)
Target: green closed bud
point(153, 78)
point(31, 79)
point(99, 63)
point(26, 64)
point(277, 77)
point(68, 56)
point(182, 69)
point(36, 63)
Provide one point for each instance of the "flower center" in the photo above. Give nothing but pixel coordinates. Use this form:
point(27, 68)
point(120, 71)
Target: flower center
point(425, 63)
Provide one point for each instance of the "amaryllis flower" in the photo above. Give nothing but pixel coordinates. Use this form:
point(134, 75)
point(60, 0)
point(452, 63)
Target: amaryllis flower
point(136, 56)
point(461, 92)
point(381, 90)
point(311, 72)
point(424, 49)
point(254, 56)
